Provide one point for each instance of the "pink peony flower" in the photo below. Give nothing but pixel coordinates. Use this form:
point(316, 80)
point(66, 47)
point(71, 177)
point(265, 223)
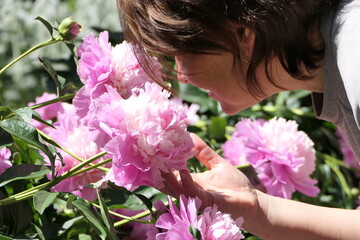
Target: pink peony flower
point(138, 231)
point(282, 156)
point(81, 141)
point(212, 224)
point(48, 112)
point(215, 225)
point(117, 66)
point(191, 111)
point(348, 155)
point(147, 135)
point(95, 60)
point(5, 155)
point(127, 75)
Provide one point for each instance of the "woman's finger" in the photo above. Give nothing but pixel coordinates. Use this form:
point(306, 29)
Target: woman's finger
point(204, 153)
point(172, 186)
point(188, 183)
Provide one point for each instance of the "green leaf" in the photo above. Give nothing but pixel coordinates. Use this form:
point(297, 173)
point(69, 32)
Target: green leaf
point(5, 111)
point(280, 98)
point(105, 214)
point(49, 68)
point(5, 138)
point(68, 89)
point(217, 128)
point(84, 237)
point(22, 130)
point(26, 132)
point(39, 232)
point(146, 201)
point(148, 192)
point(23, 171)
point(70, 200)
point(133, 202)
point(24, 113)
point(195, 232)
point(93, 218)
point(71, 47)
point(24, 153)
point(46, 24)
point(35, 115)
point(2, 237)
point(69, 223)
point(38, 118)
point(62, 81)
point(43, 199)
point(331, 162)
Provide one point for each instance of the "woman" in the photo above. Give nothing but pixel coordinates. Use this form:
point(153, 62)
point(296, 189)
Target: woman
point(243, 51)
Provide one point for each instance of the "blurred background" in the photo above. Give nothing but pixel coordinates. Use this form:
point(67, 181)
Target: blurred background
point(19, 31)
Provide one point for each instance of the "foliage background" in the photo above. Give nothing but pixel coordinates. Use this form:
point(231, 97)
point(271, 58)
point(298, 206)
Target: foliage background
point(19, 32)
point(26, 80)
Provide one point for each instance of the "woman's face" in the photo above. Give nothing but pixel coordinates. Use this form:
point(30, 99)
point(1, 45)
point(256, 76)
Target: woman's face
point(215, 73)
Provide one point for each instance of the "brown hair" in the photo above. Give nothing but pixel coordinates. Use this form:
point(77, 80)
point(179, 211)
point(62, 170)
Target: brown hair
point(176, 27)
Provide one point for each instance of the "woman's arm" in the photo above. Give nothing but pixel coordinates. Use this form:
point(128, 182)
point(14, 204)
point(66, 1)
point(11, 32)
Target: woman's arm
point(288, 219)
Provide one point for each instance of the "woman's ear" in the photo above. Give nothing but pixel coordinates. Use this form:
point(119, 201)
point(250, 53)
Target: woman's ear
point(247, 41)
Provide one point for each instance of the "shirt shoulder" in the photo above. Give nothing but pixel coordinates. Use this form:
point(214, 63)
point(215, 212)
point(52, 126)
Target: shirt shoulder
point(346, 39)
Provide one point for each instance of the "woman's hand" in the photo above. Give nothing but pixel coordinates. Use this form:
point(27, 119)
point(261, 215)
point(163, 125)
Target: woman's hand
point(265, 216)
point(223, 184)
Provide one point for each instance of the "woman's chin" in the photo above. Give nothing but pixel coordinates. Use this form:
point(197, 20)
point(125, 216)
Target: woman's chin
point(229, 109)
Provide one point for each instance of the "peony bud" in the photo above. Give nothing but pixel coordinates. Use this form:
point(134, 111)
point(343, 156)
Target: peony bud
point(69, 29)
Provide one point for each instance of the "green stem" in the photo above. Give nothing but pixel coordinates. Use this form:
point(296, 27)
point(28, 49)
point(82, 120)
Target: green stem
point(51, 141)
point(66, 175)
point(26, 194)
point(45, 186)
point(83, 164)
point(36, 106)
point(339, 174)
point(138, 216)
point(58, 99)
point(131, 219)
point(48, 42)
point(41, 186)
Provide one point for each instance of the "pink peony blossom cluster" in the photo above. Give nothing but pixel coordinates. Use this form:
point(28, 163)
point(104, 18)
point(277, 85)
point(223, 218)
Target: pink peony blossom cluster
point(282, 156)
point(212, 224)
point(120, 111)
point(348, 155)
point(48, 112)
point(82, 141)
point(95, 60)
point(147, 135)
point(145, 130)
point(5, 155)
point(101, 64)
point(191, 111)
